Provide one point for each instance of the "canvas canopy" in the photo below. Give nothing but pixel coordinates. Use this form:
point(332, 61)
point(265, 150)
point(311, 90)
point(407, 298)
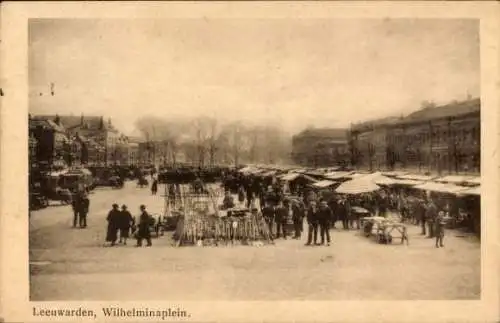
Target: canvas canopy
point(337, 175)
point(456, 179)
point(290, 177)
point(472, 191)
point(323, 184)
point(394, 173)
point(474, 180)
point(357, 186)
point(417, 177)
point(386, 181)
point(440, 187)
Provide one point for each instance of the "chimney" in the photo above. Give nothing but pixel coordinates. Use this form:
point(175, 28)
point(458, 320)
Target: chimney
point(57, 120)
point(81, 120)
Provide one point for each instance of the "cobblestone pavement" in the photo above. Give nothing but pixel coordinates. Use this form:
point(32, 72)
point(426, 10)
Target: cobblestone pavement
point(72, 264)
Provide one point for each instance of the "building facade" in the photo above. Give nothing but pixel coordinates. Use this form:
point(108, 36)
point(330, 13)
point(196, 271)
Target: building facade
point(443, 139)
point(321, 147)
point(104, 143)
point(52, 144)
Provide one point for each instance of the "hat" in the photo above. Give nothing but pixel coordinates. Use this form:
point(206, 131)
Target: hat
point(124, 206)
point(142, 206)
point(115, 205)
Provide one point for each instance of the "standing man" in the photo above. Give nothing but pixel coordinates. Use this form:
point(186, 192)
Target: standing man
point(342, 213)
point(268, 214)
point(113, 224)
point(431, 215)
point(312, 221)
point(143, 227)
point(75, 206)
point(325, 218)
point(421, 216)
point(298, 218)
point(281, 220)
point(83, 207)
point(154, 186)
point(439, 229)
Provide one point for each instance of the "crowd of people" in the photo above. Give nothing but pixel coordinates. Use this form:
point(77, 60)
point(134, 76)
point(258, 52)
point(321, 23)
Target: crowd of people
point(121, 224)
point(283, 212)
point(323, 212)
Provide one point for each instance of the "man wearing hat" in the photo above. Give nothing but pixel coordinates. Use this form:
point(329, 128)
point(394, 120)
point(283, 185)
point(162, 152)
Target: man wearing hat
point(324, 215)
point(281, 213)
point(143, 227)
point(84, 209)
point(431, 214)
point(312, 221)
point(126, 222)
point(113, 224)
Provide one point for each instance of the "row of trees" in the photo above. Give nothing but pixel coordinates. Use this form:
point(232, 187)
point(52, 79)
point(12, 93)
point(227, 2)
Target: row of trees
point(208, 141)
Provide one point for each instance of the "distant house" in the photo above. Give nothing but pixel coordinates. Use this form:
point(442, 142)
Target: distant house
point(52, 143)
point(93, 127)
point(321, 147)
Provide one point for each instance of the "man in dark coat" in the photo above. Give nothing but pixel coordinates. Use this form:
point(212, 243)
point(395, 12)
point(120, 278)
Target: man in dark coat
point(143, 227)
point(268, 214)
point(113, 225)
point(281, 220)
point(298, 218)
point(420, 211)
point(324, 216)
point(154, 187)
point(312, 221)
point(126, 222)
point(83, 209)
point(430, 216)
point(75, 206)
point(332, 204)
point(342, 213)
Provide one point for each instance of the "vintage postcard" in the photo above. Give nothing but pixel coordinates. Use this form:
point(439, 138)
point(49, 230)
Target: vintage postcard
point(249, 161)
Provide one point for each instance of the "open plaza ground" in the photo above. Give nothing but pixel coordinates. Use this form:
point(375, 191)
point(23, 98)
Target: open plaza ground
point(73, 264)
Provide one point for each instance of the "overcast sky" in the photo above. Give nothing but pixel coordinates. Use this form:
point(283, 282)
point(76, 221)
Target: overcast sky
point(317, 72)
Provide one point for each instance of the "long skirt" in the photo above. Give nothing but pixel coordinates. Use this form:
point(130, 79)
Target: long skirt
point(112, 234)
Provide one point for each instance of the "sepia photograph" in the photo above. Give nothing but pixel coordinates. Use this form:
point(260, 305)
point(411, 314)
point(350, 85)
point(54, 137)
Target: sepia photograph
point(249, 161)
point(259, 159)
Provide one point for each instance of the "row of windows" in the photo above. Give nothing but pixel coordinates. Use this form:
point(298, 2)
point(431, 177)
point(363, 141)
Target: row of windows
point(439, 135)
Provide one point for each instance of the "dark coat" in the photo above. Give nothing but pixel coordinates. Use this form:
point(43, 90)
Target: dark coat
point(268, 213)
point(126, 220)
point(324, 215)
point(113, 225)
point(144, 224)
point(312, 216)
point(281, 214)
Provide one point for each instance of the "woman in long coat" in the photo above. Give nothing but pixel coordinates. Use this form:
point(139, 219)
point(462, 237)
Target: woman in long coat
point(113, 225)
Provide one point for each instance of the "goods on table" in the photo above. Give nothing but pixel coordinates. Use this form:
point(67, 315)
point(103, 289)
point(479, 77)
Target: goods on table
point(202, 223)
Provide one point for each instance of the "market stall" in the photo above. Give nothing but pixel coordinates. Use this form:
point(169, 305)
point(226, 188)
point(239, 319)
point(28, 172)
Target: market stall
point(382, 229)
